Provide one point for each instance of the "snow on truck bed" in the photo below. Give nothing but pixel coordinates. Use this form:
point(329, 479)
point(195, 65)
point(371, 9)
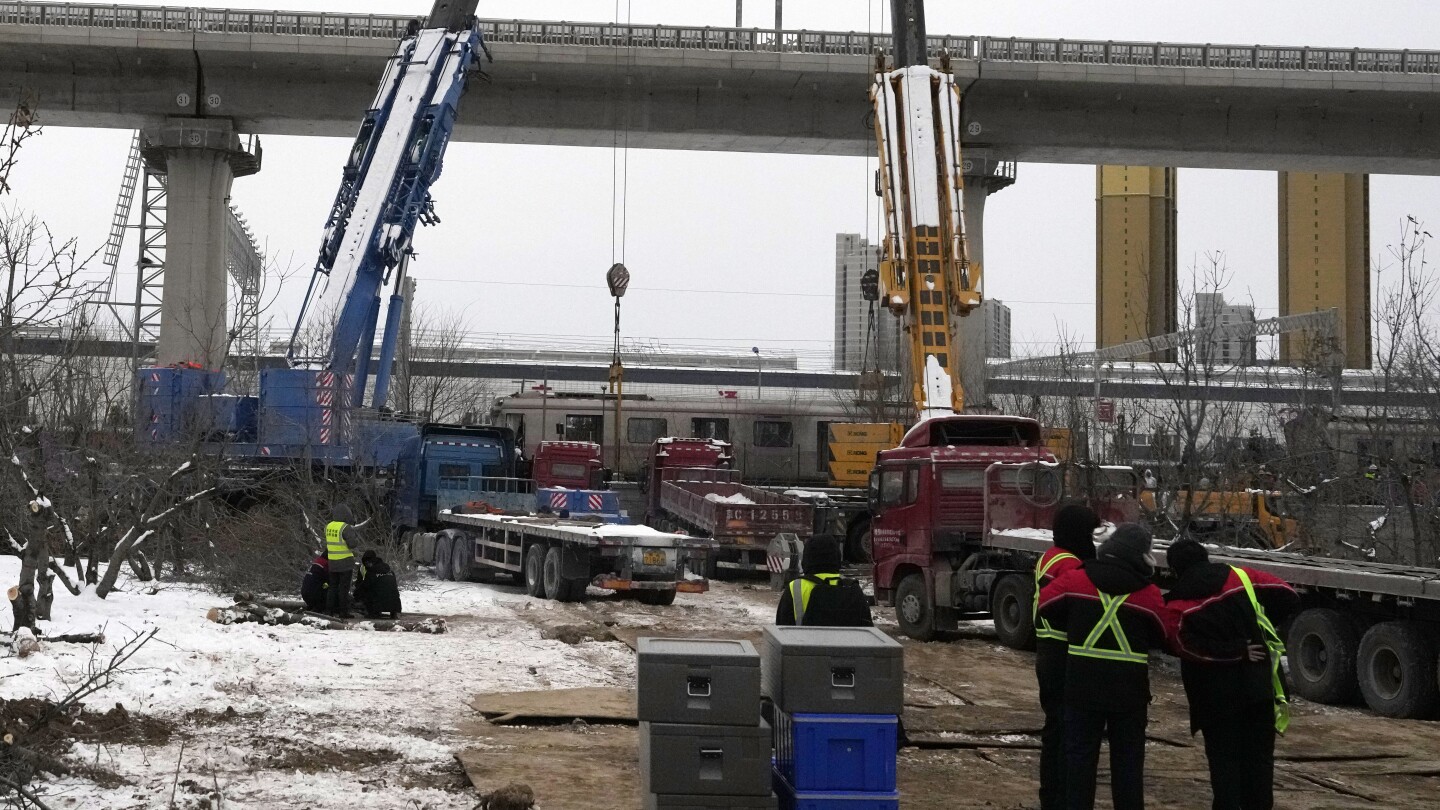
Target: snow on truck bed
point(737, 498)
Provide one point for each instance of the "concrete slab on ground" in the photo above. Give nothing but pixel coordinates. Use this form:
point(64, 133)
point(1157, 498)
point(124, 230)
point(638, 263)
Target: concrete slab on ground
point(595, 704)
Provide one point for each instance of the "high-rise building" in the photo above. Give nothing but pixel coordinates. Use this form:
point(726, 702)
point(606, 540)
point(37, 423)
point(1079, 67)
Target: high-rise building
point(1211, 310)
point(997, 327)
point(1135, 267)
point(856, 347)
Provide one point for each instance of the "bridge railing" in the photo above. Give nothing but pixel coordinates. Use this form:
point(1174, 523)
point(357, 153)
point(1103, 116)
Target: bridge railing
point(619, 35)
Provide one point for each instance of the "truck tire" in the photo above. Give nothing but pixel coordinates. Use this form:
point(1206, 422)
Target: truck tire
point(462, 554)
point(660, 598)
point(1322, 648)
point(857, 543)
point(1011, 605)
point(557, 587)
point(443, 553)
point(913, 609)
point(535, 570)
point(1397, 670)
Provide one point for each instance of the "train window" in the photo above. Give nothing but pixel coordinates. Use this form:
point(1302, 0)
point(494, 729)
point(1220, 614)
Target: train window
point(516, 422)
point(707, 428)
point(822, 447)
point(892, 487)
point(644, 429)
point(773, 434)
point(584, 428)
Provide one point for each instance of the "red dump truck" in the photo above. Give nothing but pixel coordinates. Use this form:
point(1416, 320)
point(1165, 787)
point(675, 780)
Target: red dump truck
point(690, 486)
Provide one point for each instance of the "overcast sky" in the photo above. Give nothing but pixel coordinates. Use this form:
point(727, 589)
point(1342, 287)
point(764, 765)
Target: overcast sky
point(736, 250)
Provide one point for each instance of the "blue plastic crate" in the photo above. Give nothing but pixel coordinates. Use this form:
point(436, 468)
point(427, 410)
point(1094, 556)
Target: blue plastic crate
point(792, 799)
point(830, 752)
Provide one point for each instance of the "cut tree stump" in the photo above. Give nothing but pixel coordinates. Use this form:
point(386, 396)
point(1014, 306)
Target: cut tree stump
point(260, 614)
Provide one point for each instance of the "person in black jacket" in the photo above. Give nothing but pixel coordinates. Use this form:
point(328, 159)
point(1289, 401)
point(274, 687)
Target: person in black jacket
point(826, 599)
point(316, 582)
point(1229, 662)
point(1073, 532)
point(1112, 616)
point(375, 589)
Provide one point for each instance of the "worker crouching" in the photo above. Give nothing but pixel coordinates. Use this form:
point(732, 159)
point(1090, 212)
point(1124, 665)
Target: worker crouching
point(1230, 663)
point(316, 584)
point(375, 590)
point(1112, 616)
point(824, 598)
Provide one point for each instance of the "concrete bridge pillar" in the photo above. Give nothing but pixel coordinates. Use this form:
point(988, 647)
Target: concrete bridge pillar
point(983, 175)
point(199, 158)
point(1135, 241)
point(1325, 260)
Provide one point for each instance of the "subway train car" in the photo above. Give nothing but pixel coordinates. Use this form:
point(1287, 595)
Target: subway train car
point(775, 441)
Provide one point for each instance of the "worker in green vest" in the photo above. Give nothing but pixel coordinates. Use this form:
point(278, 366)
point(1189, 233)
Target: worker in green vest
point(340, 534)
point(820, 597)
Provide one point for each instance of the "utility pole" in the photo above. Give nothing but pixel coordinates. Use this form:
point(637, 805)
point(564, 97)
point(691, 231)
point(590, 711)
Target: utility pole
point(739, 4)
point(779, 4)
point(759, 373)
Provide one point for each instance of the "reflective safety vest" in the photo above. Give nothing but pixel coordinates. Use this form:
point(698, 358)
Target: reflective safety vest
point(1042, 627)
point(1276, 648)
point(1110, 620)
point(335, 547)
point(800, 590)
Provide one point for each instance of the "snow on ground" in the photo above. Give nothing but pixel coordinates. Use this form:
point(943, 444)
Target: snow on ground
point(296, 688)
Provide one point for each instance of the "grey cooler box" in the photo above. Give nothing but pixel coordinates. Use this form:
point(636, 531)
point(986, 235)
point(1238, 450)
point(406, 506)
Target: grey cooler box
point(833, 670)
point(705, 681)
point(654, 802)
point(695, 760)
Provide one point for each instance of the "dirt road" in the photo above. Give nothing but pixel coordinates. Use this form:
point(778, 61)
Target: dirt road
point(971, 710)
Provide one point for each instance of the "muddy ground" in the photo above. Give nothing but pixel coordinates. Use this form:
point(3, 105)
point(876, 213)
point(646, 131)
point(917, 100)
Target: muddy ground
point(972, 714)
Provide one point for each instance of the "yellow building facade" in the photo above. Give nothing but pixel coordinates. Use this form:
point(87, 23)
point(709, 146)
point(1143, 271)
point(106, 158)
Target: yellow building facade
point(1324, 260)
point(1135, 272)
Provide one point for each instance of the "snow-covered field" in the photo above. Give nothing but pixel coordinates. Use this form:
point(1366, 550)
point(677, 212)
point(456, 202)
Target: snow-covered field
point(306, 697)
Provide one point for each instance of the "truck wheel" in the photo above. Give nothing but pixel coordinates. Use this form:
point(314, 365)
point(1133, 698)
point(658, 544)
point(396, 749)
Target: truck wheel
point(857, 543)
point(443, 554)
point(913, 609)
point(535, 570)
point(660, 598)
point(556, 586)
point(462, 554)
point(1397, 670)
point(1322, 649)
point(1011, 606)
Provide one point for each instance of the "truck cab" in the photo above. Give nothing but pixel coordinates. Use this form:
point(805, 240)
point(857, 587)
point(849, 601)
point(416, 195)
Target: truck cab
point(568, 465)
point(445, 457)
point(667, 455)
point(928, 498)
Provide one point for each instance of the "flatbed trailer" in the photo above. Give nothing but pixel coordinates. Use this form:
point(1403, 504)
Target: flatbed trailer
point(558, 559)
point(1366, 630)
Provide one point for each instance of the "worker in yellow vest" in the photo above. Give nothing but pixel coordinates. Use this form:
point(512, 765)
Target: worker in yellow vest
point(339, 535)
point(1073, 533)
point(821, 597)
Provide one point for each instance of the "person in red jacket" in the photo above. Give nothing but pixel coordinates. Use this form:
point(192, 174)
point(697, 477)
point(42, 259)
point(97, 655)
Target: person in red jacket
point(1112, 616)
point(1073, 531)
point(1230, 663)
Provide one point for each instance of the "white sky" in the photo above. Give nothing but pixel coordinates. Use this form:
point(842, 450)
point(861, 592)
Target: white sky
point(526, 236)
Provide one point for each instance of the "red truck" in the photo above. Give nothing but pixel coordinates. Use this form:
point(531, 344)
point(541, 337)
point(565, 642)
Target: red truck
point(690, 486)
point(572, 465)
point(961, 510)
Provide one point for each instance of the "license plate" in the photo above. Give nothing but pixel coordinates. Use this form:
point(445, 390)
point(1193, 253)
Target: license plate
point(652, 558)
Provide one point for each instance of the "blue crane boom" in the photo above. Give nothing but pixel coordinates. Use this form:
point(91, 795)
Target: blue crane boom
point(385, 193)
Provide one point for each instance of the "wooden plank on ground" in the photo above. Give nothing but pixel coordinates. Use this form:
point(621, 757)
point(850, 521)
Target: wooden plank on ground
point(597, 704)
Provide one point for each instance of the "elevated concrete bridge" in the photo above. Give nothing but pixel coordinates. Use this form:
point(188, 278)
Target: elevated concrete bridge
point(1067, 101)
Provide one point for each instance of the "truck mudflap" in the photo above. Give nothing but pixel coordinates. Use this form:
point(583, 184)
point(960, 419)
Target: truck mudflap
point(614, 583)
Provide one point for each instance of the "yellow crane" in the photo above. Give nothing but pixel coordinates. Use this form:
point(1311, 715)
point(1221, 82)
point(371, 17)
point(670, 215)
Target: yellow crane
point(926, 276)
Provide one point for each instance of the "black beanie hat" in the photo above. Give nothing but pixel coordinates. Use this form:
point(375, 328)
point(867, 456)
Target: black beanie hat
point(1129, 545)
point(1186, 554)
point(821, 556)
point(1074, 529)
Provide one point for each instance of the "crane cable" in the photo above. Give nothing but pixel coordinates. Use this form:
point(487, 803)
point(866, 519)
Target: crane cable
point(620, 148)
